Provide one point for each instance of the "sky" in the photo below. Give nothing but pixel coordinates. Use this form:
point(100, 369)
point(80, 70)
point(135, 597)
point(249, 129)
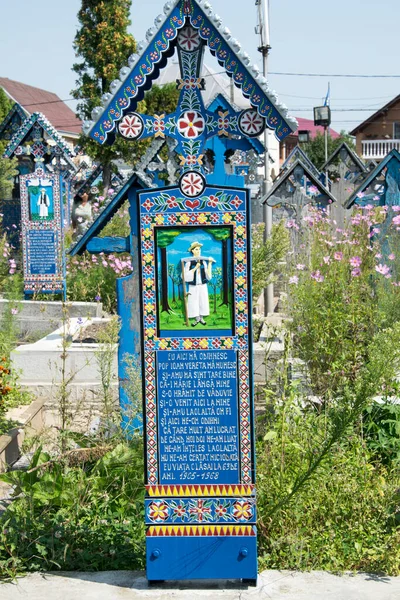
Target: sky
point(310, 36)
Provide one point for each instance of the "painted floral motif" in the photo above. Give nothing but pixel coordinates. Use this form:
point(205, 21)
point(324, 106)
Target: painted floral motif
point(190, 83)
point(189, 39)
point(200, 510)
point(250, 123)
point(159, 126)
point(191, 124)
point(221, 201)
point(192, 184)
point(223, 123)
point(131, 126)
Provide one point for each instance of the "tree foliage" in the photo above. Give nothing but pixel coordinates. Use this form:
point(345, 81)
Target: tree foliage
point(103, 44)
point(5, 104)
point(267, 255)
point(315, 149)
point(7, 173)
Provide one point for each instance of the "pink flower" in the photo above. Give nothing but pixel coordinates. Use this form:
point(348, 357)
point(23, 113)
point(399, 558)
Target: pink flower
point(396, 220)
point(356, 272)
point(316, 275)
point(360, 195)
point(383, 270)
point(356, 220)
point(378, 255)
point(355, 261)
point(294, 280)
point(14, 311)
point(396, 208)
point(338, 256)
point(391, 256)
point(300, 267)
point(327, 260)
point(291, 224)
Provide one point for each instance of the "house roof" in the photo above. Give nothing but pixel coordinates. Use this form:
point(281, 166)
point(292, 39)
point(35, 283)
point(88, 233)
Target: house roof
point(377, 114)
point(144, 68)
point(308, 125)
point(33, 99)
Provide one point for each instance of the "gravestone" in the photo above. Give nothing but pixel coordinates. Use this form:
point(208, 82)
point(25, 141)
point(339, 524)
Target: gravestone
point(186, 308)
point(346, 171)
point(42, 154)
point(198, 388)
point(380, 188)
point(42, 243)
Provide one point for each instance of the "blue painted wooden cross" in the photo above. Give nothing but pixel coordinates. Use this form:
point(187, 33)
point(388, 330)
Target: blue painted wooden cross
point(196, 362)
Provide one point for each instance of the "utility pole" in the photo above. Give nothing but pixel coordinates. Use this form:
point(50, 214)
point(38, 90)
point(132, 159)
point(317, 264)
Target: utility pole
point(263, 30)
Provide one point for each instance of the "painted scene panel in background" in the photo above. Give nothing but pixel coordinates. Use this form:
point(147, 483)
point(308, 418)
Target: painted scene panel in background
point(194, 280)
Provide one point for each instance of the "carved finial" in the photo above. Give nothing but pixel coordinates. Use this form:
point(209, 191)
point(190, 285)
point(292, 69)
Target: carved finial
point(187, 9)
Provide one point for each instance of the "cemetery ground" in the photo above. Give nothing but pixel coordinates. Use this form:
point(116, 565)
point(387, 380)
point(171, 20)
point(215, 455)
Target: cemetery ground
point(327, 434)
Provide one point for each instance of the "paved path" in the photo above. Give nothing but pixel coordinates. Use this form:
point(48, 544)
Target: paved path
point(274, 585)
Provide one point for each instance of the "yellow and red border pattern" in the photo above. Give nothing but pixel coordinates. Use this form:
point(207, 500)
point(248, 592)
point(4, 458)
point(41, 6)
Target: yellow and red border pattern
point(168, 491)
point(202, 531)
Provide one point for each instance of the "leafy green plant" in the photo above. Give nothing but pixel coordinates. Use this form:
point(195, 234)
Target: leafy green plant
point(86, 516)
point(266, 255)
point(108, 340)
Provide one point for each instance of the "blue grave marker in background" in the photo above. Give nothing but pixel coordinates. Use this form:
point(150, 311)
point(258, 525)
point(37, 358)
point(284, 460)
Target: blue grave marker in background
point(42, 241)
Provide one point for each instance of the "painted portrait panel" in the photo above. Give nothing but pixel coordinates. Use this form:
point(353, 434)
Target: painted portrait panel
point(41, 202)
point(194, 281)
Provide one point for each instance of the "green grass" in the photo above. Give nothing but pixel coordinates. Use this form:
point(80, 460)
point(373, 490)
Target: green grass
point(175, 320)
point(37, 218)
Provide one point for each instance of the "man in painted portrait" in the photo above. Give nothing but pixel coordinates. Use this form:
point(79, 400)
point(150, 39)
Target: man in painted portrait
point(43, 204)
point(197, 273)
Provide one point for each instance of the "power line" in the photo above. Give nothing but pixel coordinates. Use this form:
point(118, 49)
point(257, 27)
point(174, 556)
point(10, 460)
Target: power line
point(335, 75)
point(336, 99)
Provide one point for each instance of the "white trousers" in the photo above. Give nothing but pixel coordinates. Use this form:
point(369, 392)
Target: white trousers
point(198, 303)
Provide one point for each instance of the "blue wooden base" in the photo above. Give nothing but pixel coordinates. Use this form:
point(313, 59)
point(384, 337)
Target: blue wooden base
point(201, 558)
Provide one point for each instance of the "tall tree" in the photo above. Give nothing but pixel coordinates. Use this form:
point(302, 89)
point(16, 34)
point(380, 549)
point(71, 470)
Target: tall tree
point(223, 234)
point(7, 165)
point(103, 44)
point(5, 104)
point(165, 238)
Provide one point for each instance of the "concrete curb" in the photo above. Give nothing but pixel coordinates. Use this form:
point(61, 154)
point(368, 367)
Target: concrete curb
point(277, 585)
